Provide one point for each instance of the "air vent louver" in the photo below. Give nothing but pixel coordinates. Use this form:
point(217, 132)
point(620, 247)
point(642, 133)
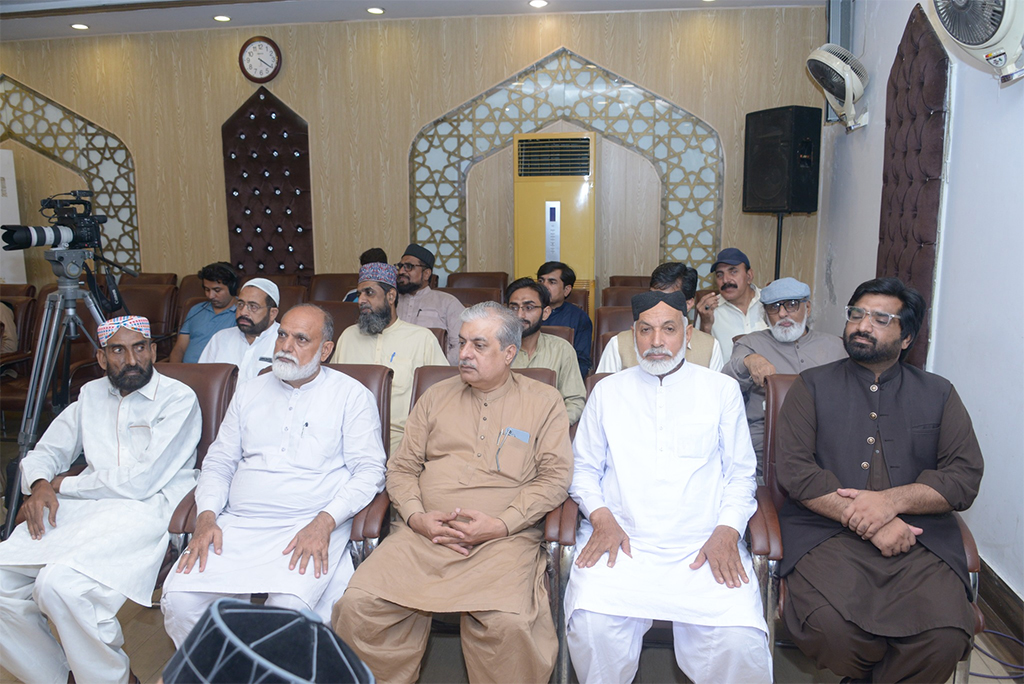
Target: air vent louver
point(554, 157)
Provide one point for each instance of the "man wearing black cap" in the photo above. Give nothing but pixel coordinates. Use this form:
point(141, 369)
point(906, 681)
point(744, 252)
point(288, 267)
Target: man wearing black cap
point(420, 305)
point(736, 309)
point(664, 472)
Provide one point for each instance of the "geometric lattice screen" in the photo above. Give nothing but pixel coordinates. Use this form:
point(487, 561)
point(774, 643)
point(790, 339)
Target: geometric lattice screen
point(686, 152)
point(267, 180)
point(97, 155)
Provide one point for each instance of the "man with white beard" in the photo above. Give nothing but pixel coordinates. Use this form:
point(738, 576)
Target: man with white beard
point(298, 454)
point(789, 346)
point(664, 471)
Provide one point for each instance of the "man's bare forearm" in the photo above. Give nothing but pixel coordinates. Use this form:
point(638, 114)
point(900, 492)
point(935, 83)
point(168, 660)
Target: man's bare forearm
point(917, 499)
point(829, 506)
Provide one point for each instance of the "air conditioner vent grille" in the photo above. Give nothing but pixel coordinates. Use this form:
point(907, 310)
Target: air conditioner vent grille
point(554, 157)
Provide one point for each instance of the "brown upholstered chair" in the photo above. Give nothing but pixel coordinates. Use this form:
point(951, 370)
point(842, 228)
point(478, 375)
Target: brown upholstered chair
point(609, 319)
point(434, 282)
point(473, 295)
point(563, 331)
point(151, 279)
point(580, 297)
point(8, 290)
point(629, 281)
point(345, 314)
point(620, 296)
point(498, 279)
point(290, 296)
point(24, 310)
point(280, 279)
point(332, 286)
point(189, 287)
point(772, 494)
point(158, 303)
point(442, 337)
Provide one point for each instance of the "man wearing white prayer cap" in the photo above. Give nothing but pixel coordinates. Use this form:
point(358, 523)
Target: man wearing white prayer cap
point(250, 344)
point(94, 539)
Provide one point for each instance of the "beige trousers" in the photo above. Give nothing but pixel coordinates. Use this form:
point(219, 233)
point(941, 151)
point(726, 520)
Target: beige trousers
point(498, 646)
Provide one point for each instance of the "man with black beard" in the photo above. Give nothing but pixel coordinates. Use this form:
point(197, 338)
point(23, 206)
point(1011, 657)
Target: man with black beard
point(788, 346)
point(94, 539)
point(421, 305)
point(381, 338)
point(531, 302)
point(250, 344)
point(875, 454)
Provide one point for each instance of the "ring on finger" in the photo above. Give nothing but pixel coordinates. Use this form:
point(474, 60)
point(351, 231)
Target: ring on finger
point(186, 551)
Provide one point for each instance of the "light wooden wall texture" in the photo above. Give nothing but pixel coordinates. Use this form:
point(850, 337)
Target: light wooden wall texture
point(366, 89)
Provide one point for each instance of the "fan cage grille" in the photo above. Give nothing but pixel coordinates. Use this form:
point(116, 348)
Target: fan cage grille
point(971, 22)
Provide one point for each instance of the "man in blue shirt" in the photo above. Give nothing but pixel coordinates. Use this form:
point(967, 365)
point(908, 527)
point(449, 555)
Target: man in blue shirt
point(220, 283)
point(558, 278)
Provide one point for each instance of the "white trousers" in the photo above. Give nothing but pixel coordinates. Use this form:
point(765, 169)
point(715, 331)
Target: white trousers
point(84, 613)
point(606, 649)
point(183, 609)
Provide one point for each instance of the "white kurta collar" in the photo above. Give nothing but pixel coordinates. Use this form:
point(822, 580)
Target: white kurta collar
point(148, 390)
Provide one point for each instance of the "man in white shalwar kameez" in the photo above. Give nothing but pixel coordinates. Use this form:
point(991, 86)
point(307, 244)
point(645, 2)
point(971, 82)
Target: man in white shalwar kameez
point(250, 343)
point(298, 454)
point(105, 535)
point(664, 475)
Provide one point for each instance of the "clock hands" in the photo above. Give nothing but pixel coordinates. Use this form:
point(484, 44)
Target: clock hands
point(261, 59)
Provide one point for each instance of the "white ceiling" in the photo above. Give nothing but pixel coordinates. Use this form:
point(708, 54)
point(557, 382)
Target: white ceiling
point(33, 19)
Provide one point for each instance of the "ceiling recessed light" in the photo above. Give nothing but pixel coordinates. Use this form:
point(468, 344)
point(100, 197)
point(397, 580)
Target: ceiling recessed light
point(375, 10)
point(221, 17)
point(538, 3)
point(80, 27)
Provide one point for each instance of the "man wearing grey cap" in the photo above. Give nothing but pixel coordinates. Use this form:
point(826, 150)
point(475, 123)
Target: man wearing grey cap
point(789, 346)
point(420, 305)
point(736, 308)
point(250, 344)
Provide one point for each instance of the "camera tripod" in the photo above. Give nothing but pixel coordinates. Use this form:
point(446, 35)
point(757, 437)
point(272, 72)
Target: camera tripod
point(61, 325)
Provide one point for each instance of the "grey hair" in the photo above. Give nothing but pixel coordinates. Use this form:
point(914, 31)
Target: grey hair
point(327, 330)
point(511, 330)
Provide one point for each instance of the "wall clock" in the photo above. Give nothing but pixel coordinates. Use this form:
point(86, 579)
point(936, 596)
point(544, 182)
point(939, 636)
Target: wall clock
point(260, 59)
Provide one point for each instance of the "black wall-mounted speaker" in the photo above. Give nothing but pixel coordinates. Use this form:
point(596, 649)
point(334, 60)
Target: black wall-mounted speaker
point(781, 158)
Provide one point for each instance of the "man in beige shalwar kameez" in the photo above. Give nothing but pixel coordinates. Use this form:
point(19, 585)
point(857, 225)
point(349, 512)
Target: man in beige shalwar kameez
point(485, 457)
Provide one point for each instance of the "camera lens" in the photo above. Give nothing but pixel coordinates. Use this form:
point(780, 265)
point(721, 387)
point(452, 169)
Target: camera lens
point(23, 237)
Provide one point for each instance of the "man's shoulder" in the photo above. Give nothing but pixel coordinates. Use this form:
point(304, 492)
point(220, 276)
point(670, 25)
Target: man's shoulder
point(825, 371)
point(558, 344)
point(446, 297)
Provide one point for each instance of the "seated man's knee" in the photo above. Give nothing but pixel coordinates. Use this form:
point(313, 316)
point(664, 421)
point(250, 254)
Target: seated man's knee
point(834, 643)
point(52, 586)
point(289, 601)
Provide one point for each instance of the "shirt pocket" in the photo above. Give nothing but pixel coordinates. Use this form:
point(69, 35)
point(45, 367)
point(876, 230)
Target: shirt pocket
point(317, 443)
point(515, 461)
point(140, 436)
point(695, 440)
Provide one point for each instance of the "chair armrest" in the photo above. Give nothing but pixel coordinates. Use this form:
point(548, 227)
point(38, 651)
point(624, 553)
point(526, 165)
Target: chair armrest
point(370, 522)
point(765, 534)
point(183, 520)
point(970, 548)
point(560, 524)
point(14, 358)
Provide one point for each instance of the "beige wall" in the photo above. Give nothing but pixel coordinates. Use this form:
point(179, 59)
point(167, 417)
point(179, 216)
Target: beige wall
point(366, 89)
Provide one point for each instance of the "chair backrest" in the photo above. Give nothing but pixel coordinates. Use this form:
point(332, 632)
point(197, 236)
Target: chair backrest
point(151, 279)
point(629, 281)
point(24, 310)
point(345, 314)
point(442, 337)
point(185, 307)
point(434, 281)
point(378, 380)
point(563, 331)
point(620, 296)
point(580, 297)
point(214, 385)
point(613, 319)
point(427, 376)
point(498, 279)
point(158, 303)
point(8, 290)
point(473, 295)
point(600, 344)
point(332, 286)
point(774, 396)
point(290, 296)
point(593, 379)
point(281, 279)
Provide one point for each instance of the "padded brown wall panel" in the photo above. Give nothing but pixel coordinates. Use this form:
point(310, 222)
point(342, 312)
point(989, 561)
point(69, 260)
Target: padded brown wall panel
point(266, 177)
point(916, 114)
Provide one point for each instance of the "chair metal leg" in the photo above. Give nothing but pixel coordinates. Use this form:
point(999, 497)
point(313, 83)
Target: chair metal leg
point(559, 565)
point(961, 674)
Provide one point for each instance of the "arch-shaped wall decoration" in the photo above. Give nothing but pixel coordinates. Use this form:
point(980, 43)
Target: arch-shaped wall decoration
point(94, 153)
point(685, 150)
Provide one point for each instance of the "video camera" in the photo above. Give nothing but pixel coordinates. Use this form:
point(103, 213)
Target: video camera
point(73, 225)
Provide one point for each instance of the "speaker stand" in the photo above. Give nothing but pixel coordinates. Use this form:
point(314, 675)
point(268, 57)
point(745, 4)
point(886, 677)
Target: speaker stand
point(778, 244)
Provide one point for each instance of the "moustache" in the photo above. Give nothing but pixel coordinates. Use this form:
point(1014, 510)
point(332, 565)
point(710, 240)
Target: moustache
point(728, 286)
point(285, 356)
point(130, 369)
point(657, 351)
point(864, 336)
point(245, 320)
point(467, 364)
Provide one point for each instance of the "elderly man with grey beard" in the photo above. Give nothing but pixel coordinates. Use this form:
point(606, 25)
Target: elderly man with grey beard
point(298, 454)
point(381, 338)
point(789, 346)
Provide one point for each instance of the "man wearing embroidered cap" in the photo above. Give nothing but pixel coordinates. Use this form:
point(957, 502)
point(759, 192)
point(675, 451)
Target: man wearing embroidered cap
point(92, 540)
point(423, 306)
point(788, 346)
point(664, 476)
point(736, 308)
point(250, 344)
point(381, 338)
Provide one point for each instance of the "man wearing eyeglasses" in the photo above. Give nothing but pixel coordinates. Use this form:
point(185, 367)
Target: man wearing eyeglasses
point(420, 305)
point(250, 344)
point(878, 454)
point(530, 301)
point(788, 346)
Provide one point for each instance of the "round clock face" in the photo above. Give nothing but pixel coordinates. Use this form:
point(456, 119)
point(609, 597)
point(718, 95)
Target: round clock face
point(260, 59)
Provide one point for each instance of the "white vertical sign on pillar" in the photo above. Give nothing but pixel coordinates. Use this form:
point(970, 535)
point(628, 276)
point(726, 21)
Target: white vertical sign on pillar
point(12, 264)
point(552, 231)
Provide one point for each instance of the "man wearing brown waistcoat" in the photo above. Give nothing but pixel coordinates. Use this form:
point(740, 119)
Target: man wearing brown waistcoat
point(875, 455)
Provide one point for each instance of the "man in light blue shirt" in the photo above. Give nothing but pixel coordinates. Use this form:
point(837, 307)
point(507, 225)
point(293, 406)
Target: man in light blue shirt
point(204, 320)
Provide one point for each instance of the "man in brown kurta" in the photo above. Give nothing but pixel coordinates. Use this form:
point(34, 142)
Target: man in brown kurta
point(485, 457)
point(878, 454)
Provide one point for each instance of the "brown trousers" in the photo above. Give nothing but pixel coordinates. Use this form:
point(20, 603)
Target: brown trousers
point(497, 646)
point(832, 642)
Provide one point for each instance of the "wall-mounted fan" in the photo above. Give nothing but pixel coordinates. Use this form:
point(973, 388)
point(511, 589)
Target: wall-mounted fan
point(843, 78)
point(991, 31)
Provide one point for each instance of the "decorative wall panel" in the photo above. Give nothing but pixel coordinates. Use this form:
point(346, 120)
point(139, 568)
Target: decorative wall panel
point(564, 86)
point(95, 154)
point(266, 176)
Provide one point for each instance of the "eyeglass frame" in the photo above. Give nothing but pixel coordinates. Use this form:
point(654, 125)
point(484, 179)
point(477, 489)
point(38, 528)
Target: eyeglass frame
point(528, 307)
point(251, 307)
point(785, 302)
point(400, 266)
point(873, 314)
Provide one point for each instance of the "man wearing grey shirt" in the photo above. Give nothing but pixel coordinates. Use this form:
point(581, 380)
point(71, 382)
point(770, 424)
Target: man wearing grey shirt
point(788, 347)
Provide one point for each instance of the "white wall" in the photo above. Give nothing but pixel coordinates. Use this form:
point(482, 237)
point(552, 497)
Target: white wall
point(978, 330)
